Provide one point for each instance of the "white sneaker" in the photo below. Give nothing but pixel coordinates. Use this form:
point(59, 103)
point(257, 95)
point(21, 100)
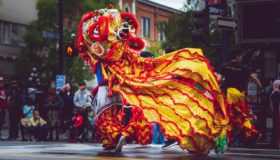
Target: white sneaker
point(120, 144)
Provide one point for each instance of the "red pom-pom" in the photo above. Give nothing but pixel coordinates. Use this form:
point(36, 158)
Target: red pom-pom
point(136, 43)
point(79, 37)
point(131, 19)
point(103, 30)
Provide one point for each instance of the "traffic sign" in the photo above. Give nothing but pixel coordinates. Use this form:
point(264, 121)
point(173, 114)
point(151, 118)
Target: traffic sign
point(60, 81)
point(215, 11)
point(227, 23)
point(51, 35)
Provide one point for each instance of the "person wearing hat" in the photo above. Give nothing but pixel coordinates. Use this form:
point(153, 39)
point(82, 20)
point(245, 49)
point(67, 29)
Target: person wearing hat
point(82, 97)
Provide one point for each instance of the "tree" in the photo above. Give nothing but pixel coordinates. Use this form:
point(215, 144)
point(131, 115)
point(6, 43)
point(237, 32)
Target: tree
point(42, 53)
point(178, 34)
point(155, 48)
point(178, 31)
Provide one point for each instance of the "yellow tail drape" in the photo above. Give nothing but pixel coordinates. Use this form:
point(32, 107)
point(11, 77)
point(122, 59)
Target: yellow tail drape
point(164, 89)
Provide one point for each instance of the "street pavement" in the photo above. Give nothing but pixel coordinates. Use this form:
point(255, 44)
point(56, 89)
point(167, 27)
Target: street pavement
point(17, 150)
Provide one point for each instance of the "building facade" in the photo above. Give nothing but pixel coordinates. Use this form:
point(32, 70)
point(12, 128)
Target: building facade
point(15, 15)
point(150, 16)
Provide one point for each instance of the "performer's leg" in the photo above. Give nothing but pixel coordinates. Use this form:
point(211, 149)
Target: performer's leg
point(239, 119)
point(138, 126)
point(155, 137)
point(109, 127)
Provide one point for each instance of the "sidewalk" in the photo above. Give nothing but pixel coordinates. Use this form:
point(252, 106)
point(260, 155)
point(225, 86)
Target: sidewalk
point(5, 133)
point(272, 152)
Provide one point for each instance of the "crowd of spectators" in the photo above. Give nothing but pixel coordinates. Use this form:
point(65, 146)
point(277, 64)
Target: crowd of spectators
point(46, 114)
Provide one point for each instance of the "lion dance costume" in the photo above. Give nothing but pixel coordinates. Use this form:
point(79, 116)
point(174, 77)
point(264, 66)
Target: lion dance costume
point(160, 90)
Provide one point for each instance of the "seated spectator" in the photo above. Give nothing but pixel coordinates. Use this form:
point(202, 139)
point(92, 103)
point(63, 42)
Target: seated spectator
point(36, 126)
point(28, 109)
point(75, 125)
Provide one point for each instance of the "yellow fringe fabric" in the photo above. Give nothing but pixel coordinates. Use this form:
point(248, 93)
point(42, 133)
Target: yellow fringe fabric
point(240, 124)
point(164, 89)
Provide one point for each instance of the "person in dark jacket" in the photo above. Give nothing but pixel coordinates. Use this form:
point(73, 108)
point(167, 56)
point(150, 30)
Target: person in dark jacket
point(3, 104)
point(237, 77)
point(275, 106)
point(14, 111)
point(67, 107)
point(53, 103)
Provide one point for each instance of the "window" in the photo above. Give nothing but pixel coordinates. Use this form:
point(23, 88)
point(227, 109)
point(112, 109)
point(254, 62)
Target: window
point(161, 35)
point(11, 33)
point(146, 27)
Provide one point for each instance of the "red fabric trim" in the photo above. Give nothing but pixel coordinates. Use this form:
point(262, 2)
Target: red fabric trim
point(181, 134)
point(187, 107)
point(215, 93)
point(173, 75)
point(79, 39)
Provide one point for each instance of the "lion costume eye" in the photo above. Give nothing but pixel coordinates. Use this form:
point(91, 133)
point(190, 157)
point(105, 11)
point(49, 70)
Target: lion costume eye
point(95, 32)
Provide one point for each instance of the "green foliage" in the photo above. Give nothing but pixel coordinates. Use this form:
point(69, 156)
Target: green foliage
point(47, 13)
point(42, 53)
point(178, 34)
point(155, 48)
point(178, 31)
point(79, 71)
point(191, 5)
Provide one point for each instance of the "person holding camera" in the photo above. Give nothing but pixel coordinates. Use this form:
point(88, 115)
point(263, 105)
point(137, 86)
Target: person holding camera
point(236, 77)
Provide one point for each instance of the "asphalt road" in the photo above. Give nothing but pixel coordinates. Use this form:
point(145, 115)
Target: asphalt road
point(68, 151)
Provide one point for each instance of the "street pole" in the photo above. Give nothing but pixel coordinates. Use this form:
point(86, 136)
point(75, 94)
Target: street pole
point(60, 32)
point(225, 36)
point(225, 46)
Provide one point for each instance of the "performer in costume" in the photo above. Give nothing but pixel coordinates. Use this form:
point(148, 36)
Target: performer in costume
point(160, 90)
point(236, 80)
